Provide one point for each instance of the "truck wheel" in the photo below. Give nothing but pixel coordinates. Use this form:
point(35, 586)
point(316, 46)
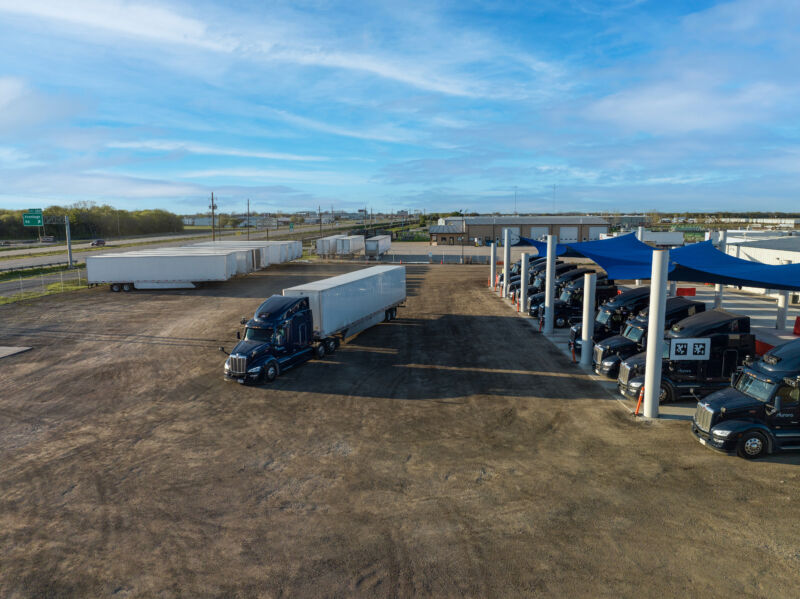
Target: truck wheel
point(666, 394)
point(387, 316)
point(560, 322)
point(320, 351)
point(752, 445)
point(330, 346)
point(394, 313)
point(115, 287)
point(126, 287)
point(270, 372)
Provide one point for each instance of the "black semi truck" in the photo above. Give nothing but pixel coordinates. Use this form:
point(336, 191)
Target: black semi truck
point(611, 316)
point(568, 307)
point(730, 343)
point(760, 412)
point(610, 352)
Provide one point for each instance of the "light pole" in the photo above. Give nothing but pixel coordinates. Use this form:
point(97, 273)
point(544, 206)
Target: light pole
point(213, 207)
point(515, 200)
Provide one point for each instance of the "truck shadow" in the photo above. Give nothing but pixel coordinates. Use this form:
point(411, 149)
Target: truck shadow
point(443, 357)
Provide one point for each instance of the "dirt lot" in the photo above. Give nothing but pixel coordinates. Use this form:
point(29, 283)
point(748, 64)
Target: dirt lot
point(452, 452)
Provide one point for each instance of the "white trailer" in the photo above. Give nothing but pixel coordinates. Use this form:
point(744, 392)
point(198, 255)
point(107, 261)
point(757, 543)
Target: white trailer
point(142, 270)
point(350, 303)
point(327, 245)
point(349, 245)
point(378, 245)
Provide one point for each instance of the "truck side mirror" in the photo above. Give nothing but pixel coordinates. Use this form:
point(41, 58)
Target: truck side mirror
point(243, 320)
point(222, 349)
point(238, 335)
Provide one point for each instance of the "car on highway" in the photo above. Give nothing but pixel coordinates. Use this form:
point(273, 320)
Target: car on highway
point(98, 243)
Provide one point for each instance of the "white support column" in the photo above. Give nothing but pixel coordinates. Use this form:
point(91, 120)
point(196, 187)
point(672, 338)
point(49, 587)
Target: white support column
point(550, 281)
point(640, 237)
point(718, 288)
point(493, 266)
point(655, 332)
point(523, 284)
point(783, 303)
point(673, 288)
point(506, 260)
point(587, 332)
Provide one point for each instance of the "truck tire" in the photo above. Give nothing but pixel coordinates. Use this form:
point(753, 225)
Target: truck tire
point(126, 287)
point(115, 287)
point(387, 316)
point(666, 394)
point(394, 313)
point(560, 322)
point(752, 445)
point(319, 351)
point(330, 346)
point(270, 372)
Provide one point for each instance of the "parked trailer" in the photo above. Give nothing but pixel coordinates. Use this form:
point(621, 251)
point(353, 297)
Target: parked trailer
point(327, 245)
point(349, 303)
point(246, 260)
point(311, 320)
point(349, 245)
point(159, 271)
point(378, 245)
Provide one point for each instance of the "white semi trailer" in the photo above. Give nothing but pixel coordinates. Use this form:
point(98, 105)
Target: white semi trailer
point(312, 319)
point(378, 245)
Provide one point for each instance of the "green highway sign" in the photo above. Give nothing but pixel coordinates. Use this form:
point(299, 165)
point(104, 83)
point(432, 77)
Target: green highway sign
point(34, 210)
point(32, 220)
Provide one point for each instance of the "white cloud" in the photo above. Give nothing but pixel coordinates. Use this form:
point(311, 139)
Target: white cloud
point(297, 176)
point(127, 18)
point(389, 134)
point(684, 107)
point(10, 90)
point(193, 148)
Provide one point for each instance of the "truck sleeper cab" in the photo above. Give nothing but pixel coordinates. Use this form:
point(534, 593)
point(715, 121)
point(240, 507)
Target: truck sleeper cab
point(611, 316)
point(278, 337)
point(535, 270)
point(610, 352)
point(562, 279)
point(760, 412)
point(731, 342)
point(568, 307)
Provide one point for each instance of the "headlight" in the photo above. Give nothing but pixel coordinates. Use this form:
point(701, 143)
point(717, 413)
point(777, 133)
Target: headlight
point(255, 370)
point(228, 363)
point(722, 433)
point(609, 362)
point(635, 384)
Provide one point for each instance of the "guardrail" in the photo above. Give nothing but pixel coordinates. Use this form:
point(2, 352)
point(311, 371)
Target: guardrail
point(74, 263)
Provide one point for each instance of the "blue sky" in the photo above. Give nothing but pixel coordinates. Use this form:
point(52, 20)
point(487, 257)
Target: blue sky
point(620, 104)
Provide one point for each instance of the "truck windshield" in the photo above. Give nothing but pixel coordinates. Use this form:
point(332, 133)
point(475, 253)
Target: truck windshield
point(565, 295)
point(633, 333)
point(603, 316)
point(262, 335)
point(756, 388)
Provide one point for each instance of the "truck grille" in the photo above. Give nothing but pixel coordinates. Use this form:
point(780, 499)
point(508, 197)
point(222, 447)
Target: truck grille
point(572, 334)
point(238, 364)
point(624, 373)
point(703, 417)
point(598, 354)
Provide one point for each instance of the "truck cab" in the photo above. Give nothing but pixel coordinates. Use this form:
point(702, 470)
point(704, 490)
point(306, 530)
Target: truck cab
point(730, 342)
point(278, 337)
point(563, 278)
point(611, 316)
point(760, 412)
point(568, 306)
point(610, 352)
point(514, 282)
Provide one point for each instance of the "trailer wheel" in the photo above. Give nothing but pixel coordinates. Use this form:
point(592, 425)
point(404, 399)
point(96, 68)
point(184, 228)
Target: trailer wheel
point(330, 345)
point(752, 445)
point(271, 371)
point(126, 287)
point(394, 313)
point(115, 287)
point(320, 351)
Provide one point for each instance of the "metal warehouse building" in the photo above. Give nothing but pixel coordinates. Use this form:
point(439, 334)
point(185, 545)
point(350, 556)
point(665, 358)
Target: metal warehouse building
point(567, 229)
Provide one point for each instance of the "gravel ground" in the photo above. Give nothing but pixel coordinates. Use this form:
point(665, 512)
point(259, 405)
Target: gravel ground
point(453, 452)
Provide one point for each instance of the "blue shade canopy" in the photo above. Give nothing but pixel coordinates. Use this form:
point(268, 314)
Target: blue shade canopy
point(541, 246)
point(623, 257)
point(703, 263)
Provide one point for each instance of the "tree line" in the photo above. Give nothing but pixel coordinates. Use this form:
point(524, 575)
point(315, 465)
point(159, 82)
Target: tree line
point(87, 221)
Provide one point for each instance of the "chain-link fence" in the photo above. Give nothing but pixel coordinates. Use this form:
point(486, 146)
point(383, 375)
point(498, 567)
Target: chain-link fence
point(18, 287)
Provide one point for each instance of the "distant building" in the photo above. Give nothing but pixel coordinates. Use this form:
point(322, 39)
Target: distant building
point(566, 229)
point(446, 235)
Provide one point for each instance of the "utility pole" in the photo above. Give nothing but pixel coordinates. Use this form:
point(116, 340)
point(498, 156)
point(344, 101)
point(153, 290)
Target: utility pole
point(248, 219)
point(118, 233)
point(319, 212)
point(515, 200)
point(267, 225)
point(213, 207)
point(554, 199)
